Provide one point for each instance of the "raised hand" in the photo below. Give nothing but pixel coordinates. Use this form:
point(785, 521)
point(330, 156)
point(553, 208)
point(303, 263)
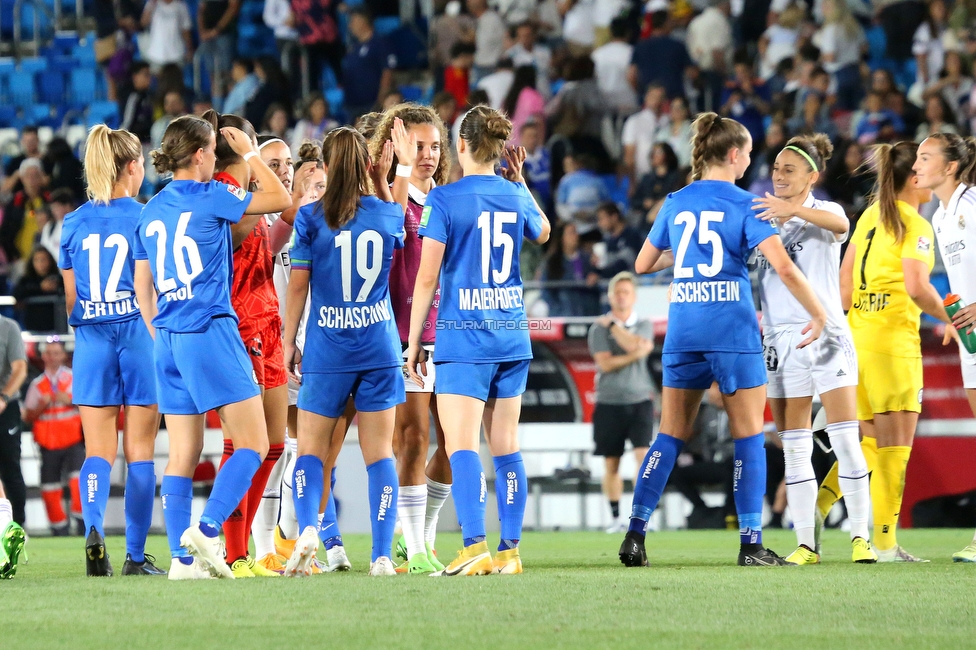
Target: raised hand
point(238, 140)
point(515, 159)
point(404, 144)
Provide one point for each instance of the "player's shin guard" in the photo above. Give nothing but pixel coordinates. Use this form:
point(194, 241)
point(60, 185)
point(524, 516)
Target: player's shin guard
point(140, 493)
point(887, 489)
point(412, 508)
point(255, 500)
point(801, 483)
point(229, 488)
point(382, 505)
point(511, 492)
point(95, 485)
point(176, 493)
point(307, 485)
point(288, 519)
point(654, 473)
point(852, 474)
point(437, 494)
point(469, 492)
point(329, 520)
point(749, 487)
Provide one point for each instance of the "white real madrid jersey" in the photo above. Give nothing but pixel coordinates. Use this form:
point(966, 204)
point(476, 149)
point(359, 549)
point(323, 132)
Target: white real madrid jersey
point(816, 252)
point(955, 232)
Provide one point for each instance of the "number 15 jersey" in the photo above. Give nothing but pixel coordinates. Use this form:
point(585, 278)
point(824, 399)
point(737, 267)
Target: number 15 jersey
point(184, 233)
point(481, 220)
point(712, 229)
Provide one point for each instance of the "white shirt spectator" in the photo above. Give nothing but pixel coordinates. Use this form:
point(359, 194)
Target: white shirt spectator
point(611, 62)
point(51, 237)
point(489, 40)
point(707, 32)
point(550, 22)
point(639, 131)
point(780, 44)
point(540, 58)
point(497, 85)
point(514, 12)
point(933, 48)
point(164, 41)
point(277, 14)
point(606, 10)
point(578, 23)
point(834, 39)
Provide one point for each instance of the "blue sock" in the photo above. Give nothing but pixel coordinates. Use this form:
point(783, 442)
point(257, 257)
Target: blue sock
point(329, 532)
point(383, 487)
point(510, 490)
point(749, 487)
point(176, 493)
point(140, 494)
point(94, 483)
point(307, 485)
point(469, 493)
point(655, 471)
point(230, 486)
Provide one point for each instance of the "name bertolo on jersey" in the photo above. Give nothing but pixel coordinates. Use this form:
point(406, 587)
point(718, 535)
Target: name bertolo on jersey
point(353, 317)
point(710, 291)
point(489, 298)
point(123, 307)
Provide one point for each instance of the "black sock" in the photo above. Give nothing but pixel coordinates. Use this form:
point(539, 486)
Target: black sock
point(750, 548)
point(615, 509)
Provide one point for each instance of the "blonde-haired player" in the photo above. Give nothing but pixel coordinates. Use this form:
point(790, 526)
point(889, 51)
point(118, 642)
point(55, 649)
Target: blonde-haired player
point(812, 232)
point(946, 164)
point(885, 285)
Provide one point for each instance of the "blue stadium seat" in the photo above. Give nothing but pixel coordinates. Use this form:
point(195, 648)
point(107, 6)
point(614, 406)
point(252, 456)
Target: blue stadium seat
point(385, 25)
point(21, 89)
point(618, 188)
point(8, 115)
point(411, 93)
point(50, 87)
point(84, 53)
point(33, 65)
point(41, 115)
point(82, 90)
point(103, 113)
point(7, 18)
point(335, 97)
point(64, 42)
point(61, 64)
point(329, 80)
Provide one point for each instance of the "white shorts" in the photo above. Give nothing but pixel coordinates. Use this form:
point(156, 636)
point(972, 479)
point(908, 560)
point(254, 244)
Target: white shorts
point(293, 389)
point(826, 364)
point(410, 385)
point(968, 368)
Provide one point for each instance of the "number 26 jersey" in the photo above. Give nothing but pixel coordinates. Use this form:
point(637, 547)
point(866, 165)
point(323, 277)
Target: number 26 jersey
point(184, 233)
point(711, 228)
point(481, 220)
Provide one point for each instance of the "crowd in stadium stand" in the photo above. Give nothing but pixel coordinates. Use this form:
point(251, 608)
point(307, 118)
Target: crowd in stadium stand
point(601, 93)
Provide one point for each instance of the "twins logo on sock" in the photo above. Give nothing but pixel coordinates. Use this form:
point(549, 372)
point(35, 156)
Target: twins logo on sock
point(299, 484)
point(511, 488)
point(92, 484)
point(652, 464)
point(386, 500)
point(484, 489)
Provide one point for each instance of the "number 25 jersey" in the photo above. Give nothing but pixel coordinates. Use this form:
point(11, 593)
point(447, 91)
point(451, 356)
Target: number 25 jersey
point(184, 233)
point(712, 229)
point(481, 220)
point(350, 326)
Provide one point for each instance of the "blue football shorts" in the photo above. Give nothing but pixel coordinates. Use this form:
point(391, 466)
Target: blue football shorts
point(112, 365)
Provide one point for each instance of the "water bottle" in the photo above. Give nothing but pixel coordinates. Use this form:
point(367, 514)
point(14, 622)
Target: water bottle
point(953, 303)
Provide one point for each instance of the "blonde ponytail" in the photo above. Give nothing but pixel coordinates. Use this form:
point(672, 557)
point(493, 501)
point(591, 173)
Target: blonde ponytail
point(107, 152)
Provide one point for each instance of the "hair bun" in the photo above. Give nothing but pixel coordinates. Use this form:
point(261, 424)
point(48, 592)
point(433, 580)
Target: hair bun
point(823, 145)
point(498, 126)
point(310, 151)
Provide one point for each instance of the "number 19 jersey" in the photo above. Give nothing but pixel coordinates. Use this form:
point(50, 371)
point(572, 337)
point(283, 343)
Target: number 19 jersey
point(712, 229)
point(95, 242)
point(351, 326)
point(184, 233)
point(481, 220)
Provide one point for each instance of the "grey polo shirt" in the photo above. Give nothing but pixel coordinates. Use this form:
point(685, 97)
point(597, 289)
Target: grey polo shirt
point(11, 348)
point(631, 384)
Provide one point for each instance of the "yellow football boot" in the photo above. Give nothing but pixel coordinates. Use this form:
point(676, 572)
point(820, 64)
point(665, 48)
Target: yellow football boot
point(474, 560)
point(803, 556)
point(507, 562)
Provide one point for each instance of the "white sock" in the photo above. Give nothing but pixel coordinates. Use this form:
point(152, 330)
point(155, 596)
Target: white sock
point(6, 513)
point(852, 474)
point(266, 517)
point(801, 483)
point(411, 508)
point(288, 520)
point(437, 494)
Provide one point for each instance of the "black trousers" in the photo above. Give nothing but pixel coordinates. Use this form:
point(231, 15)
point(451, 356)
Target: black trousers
point(10, 472)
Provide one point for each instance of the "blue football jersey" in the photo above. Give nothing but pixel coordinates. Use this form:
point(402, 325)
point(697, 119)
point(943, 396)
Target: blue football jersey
point(184, 232)
point(711, 228)
point(97, 242)
point(350, 325)
point(481, 220)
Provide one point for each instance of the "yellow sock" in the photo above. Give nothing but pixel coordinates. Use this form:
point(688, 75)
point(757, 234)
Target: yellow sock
point(829, 492)
point(870, 448)
point(887, 488)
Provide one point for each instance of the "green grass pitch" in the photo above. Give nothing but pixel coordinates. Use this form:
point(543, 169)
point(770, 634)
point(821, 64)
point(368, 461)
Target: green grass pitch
point(574, 594)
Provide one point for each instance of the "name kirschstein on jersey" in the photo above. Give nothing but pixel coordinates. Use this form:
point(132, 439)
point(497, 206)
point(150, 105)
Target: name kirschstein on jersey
point(955, 232)
point(816, 251)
